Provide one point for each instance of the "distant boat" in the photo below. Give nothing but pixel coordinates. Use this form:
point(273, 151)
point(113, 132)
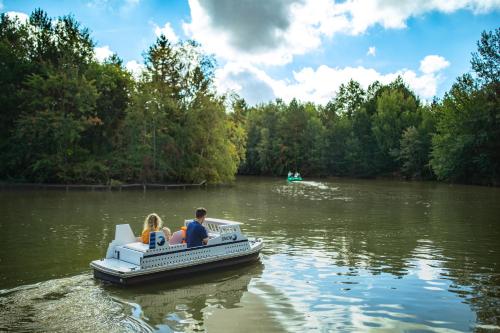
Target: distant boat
point(294, 179)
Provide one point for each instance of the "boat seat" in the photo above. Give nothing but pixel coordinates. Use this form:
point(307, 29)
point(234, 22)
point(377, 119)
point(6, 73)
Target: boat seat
point(137, 246)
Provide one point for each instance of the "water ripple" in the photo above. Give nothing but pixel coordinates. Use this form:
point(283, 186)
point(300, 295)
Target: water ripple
point(75, 304)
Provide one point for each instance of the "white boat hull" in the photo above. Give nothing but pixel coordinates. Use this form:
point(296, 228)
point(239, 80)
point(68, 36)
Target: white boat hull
point(129, 262)
point(169, 274)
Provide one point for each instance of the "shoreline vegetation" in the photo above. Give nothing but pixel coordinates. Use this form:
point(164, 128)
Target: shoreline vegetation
point(67, 119)
point(115, 186)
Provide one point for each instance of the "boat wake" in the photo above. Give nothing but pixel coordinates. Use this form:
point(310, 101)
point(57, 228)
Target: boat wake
point(312, 190)
point(74, 304)
point(82, 304)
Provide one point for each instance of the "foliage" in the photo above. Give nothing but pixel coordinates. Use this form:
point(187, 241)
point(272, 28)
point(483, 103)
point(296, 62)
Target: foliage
point(175, 127)
point(56, 102)
point(396, 111)
point(466, 147)
point(64, 117)
point(486, 63)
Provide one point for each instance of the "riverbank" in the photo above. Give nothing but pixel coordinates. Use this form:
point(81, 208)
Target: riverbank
point(100, 187)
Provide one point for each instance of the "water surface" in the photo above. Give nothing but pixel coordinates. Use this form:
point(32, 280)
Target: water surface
point(340, 255)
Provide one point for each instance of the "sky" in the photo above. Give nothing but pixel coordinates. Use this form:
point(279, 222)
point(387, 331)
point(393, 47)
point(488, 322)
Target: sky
point(304, 49)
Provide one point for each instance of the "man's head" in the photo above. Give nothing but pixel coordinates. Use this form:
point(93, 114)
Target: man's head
point(200, 214)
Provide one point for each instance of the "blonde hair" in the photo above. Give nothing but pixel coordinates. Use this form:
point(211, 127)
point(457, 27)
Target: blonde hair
point(152, 222)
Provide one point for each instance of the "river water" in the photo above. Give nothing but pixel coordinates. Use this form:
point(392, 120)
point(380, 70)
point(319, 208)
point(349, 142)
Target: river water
point(340, 255)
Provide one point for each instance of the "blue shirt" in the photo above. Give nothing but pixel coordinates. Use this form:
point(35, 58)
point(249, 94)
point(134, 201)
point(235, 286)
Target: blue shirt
point(195, 234)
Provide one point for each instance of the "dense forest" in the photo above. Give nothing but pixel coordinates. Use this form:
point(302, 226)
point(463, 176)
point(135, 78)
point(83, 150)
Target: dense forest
point(67, 118)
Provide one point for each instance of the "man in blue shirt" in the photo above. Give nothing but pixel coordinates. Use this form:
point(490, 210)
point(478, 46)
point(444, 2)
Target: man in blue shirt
point(196, 234)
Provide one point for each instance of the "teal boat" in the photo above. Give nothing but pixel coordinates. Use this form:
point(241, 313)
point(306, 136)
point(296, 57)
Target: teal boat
point(294, 179)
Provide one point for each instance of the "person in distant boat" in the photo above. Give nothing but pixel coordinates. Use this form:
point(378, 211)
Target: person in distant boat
point(196, 234)
point(153, 223)
point(290, 174)
point(296, 175)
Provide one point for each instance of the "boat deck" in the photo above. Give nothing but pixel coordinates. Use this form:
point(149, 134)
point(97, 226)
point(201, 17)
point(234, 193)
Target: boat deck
point(117, 265)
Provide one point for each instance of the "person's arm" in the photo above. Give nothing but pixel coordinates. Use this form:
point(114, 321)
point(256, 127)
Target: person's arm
point(167, 232)
point(205, 236)
point(145, 237)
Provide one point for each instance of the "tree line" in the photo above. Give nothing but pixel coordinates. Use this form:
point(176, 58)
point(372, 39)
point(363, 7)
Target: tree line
point(67, 118)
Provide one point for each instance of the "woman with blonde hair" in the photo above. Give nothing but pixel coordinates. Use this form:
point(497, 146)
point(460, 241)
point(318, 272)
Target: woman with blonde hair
point(153, 223)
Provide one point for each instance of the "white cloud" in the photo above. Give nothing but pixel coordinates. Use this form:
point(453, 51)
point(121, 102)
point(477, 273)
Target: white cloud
point(318, 85)
point(300, 27)
point(96, 3)
point(393, 14)
point(128, 6)
point(101, 53)
point(166, 30)
point(135, 68)
point(247, 80)
point(272, 33)
point(433, 63)
point(22, 17)
point(122, 7)
point(248, 37)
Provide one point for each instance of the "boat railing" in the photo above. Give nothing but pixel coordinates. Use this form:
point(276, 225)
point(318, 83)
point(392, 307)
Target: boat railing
point(212, 227)
point(222, 229)
point(219, 226)
point(231, 228)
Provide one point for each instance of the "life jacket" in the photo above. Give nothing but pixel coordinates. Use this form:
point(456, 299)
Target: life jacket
point(183, 229)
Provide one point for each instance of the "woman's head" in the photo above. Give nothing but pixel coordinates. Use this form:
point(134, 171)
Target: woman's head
point(152, 222)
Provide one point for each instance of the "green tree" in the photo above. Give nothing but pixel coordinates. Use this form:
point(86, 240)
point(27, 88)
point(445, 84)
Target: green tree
point(59, 109)
point(414, 153)
point(486, 62)
point(396, 111)
point(349, 97)
point(58, 102)
point(262, 143)
point(237, 127)
point(212, 156)
point(183, 127)
point(114, 86)
point(466, 147)
point(14, 69)
point(416, 145)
